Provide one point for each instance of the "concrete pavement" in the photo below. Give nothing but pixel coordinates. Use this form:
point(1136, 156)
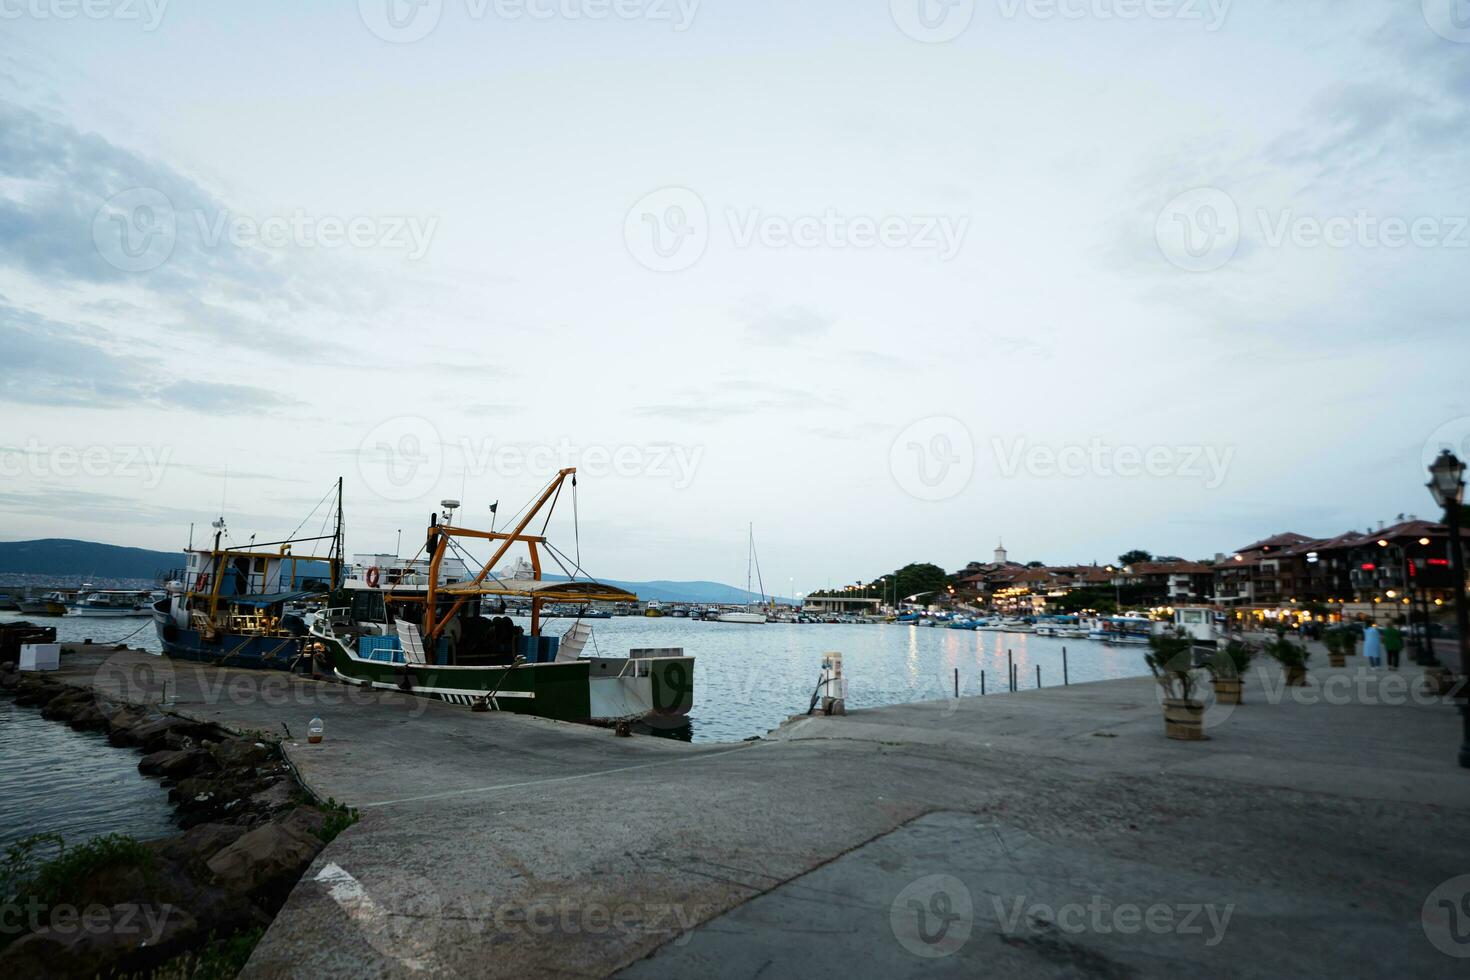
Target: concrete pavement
point(1012, 835)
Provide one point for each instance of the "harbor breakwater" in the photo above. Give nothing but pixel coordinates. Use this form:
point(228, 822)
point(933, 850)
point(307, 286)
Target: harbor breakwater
point(114, 905)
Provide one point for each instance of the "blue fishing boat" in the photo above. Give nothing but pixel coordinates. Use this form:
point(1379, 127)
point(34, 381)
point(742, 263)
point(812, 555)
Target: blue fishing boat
point(240, 606)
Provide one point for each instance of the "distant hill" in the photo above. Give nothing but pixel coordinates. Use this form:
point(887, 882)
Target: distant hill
point(62, 557)
point(85, 559)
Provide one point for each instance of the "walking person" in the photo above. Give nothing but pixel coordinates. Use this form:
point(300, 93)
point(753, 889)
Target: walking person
point(1393, 645)
point(1373, 645)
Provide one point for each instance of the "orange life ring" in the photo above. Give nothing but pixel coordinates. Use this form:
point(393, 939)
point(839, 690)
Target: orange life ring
point(372, 577)
point(199, 583)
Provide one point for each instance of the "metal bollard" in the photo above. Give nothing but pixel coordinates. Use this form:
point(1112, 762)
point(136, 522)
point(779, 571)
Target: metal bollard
point(1064, 666)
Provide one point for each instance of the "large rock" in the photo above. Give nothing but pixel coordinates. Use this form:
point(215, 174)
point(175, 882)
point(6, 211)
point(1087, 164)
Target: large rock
point(176, 763)
point(153, 735)
point(101, 940)
point(121, 721)
point(265, 863)
point(192, 850)
point(66, 703)
point(240, 753)
point(88, 718)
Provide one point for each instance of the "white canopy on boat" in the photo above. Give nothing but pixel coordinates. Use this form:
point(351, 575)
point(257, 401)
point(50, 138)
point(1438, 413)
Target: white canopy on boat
point(580, 591)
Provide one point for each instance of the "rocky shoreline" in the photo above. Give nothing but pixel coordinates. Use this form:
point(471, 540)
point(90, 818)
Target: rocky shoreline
point(249, 832)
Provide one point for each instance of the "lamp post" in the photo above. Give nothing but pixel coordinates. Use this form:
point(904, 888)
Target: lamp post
point(1447, 483)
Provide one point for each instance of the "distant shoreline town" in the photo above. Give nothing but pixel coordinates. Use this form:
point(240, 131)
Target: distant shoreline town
point(1401, 569)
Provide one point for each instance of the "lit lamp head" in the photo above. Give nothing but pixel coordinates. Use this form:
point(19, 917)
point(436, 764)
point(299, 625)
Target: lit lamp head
point(1447, 479)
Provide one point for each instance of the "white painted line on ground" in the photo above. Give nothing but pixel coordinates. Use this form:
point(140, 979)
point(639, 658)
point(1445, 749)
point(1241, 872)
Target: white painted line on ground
point(373, 920)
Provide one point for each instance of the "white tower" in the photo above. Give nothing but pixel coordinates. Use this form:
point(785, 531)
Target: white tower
point(1000, 553)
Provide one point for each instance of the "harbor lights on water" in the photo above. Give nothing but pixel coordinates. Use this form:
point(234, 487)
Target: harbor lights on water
point(1447, 484)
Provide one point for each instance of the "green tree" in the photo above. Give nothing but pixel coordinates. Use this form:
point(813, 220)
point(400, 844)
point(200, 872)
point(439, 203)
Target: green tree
point(1134, 557)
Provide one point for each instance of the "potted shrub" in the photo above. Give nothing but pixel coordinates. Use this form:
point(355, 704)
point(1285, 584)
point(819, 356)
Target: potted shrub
point(1227, 669)
point(1336, 641)
point(1292, 657)
point(1171, 659)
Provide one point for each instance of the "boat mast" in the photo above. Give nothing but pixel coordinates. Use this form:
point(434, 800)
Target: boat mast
point(439, 535)
point(335, 562)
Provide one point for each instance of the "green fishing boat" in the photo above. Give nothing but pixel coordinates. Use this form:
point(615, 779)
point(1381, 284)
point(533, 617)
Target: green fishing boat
point(422, 628)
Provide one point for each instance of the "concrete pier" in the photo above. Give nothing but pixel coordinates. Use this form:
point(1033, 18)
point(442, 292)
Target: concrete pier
point(1049, 833)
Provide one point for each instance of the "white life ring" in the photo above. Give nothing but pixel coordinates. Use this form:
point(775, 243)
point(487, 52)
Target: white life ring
point(373, 577)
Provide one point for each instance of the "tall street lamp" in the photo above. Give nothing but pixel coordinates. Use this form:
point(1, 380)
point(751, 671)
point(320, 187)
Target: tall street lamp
point(1447, 483)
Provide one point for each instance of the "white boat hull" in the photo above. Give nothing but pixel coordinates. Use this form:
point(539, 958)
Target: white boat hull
point(103, 612)
point(740, 617)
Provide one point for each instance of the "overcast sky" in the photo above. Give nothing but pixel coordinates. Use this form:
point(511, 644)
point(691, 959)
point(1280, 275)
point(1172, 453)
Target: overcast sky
point(889, 280)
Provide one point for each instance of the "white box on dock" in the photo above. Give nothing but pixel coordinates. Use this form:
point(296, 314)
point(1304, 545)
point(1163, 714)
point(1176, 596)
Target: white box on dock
point(40, 656)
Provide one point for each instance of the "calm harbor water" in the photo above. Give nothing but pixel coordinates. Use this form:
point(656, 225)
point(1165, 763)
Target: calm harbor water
point(749, 679)
point(74, 784)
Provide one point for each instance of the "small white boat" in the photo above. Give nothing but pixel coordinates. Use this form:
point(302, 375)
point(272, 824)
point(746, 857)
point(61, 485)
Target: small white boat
point(112, 603)
point(741, 617)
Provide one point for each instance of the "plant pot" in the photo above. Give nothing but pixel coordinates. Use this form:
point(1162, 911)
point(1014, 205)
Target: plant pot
point(1336, 660)
point(1296, 676)
point(1184, 720)
point(1227, 690)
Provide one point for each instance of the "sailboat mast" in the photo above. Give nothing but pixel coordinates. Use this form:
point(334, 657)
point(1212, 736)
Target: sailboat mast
point(337, 556)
